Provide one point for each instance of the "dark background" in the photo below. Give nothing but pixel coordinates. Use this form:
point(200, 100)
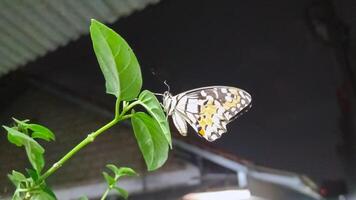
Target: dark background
point(265, 47)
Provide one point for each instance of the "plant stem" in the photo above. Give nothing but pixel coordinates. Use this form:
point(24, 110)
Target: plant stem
point(89, 139)
point(129, 107)
point(105, 194)
point(117, 108)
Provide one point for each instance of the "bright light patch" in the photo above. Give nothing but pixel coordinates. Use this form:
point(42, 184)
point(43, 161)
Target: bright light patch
point(225, 195)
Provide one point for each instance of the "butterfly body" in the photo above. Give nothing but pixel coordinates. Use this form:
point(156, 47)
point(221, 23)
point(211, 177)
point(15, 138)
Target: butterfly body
point(207, 110)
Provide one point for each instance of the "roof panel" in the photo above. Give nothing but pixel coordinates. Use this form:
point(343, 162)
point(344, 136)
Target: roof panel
point(31, 29)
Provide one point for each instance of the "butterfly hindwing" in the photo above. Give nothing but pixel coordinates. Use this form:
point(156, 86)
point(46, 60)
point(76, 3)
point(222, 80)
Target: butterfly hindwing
point(180, 123)
point(208, 110)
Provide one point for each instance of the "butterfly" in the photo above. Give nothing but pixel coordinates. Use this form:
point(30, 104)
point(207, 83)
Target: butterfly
point(207, 110)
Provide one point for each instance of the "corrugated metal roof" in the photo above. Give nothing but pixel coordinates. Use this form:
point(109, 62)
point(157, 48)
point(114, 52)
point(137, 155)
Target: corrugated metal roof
point(30, 29)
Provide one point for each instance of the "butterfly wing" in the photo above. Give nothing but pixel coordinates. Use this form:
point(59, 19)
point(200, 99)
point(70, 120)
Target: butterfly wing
point(180, 123)
point(208, 110)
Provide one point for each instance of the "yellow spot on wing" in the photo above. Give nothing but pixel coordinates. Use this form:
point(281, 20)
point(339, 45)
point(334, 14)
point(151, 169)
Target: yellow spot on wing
point(205, 122)
point(228, 105)
point(206, 114)
point(234, 91)
point(209, 109)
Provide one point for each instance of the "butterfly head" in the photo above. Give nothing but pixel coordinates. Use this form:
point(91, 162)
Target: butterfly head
point(168, 103)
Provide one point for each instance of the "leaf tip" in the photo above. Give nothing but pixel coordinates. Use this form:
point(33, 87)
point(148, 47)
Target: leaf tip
point(93, 21)
point(5, 127)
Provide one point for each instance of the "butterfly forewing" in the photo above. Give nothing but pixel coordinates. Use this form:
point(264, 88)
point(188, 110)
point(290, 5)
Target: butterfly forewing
point(208, 110)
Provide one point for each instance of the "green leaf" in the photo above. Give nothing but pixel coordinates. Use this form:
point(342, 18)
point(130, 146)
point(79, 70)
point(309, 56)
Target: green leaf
point(20, 139)
point(152, 143)
point(16, 195)
point(48, 191)
point(113, 168)
point(33, 174)
point(151, 104)
point(27, 188)
point(42, 195)
point(41, 132)
point(122, 171)
point(34, 150)
point(117, 61)
point(109, 179)
point(35, 155)
point(122, 192)
point(83, 198)
point(126, 171)
point(16, 177)
point(21, 124)
point(16, 137)
point(38, 131)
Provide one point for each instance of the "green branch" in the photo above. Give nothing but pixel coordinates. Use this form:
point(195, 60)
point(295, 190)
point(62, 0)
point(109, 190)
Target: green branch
point(91, 137)
point(105, 194)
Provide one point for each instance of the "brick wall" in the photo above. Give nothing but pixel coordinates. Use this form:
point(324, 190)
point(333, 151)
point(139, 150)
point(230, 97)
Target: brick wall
point(71, 124)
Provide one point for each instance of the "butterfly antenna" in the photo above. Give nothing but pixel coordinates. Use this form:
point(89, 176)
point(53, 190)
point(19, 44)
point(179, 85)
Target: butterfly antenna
point(157, 76)
point(165, 82)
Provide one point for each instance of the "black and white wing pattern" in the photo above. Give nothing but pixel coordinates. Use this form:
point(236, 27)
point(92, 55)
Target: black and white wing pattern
point(208, 110)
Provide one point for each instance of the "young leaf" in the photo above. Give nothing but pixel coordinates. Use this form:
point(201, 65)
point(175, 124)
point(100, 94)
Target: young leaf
point(48, 190)
point(21, 124)
point(33, 174)
point(109, 179)
point(113, 168)
point(117, 62)
point(20, 139)
point(122, 171)
point(16, 137)
point(126, 171)
point(34, 150)
point(152, 143)
point(35, 157)
point(38, 131)
point(122, 192)
point(17, 195)
point(152, 105)
point(42, 195)
point(16, 177)
point(41, 132)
